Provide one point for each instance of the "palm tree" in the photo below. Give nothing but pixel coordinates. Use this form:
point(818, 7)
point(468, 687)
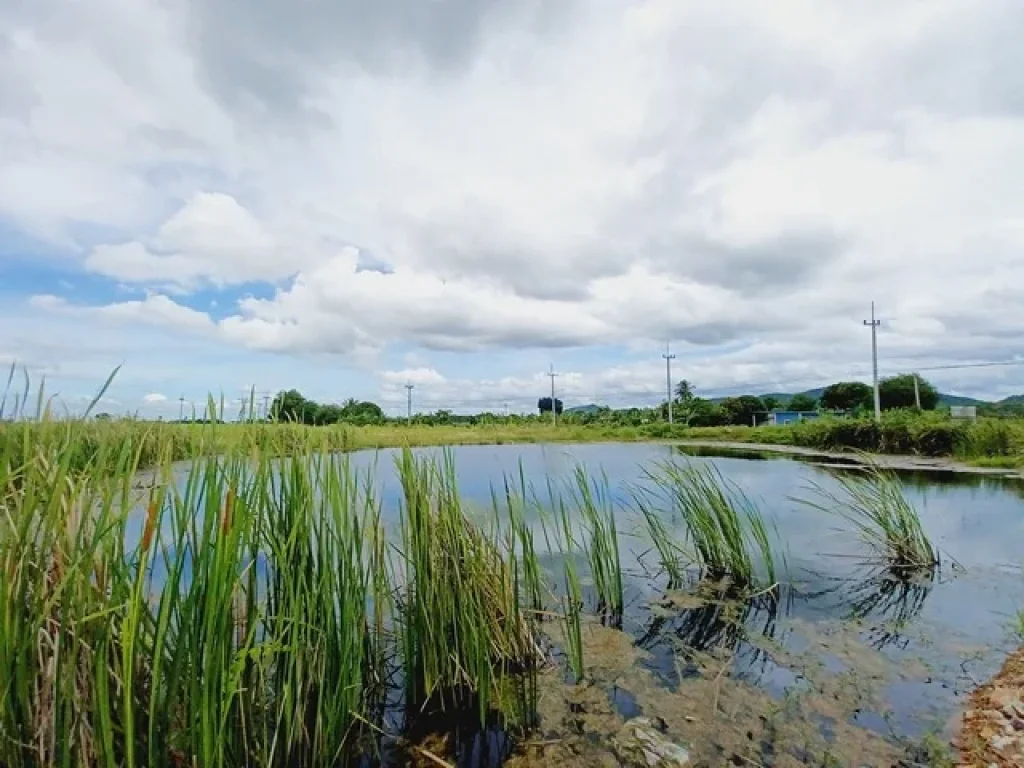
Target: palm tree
point(684, 391)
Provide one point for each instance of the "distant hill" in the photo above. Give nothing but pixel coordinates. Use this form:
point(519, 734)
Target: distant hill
point(589, 408)
point(948, 400)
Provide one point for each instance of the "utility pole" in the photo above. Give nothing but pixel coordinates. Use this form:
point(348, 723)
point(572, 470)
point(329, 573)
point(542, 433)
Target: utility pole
point(874, 360)
point(552, 374)
point(669, 357)
point(266, 407)
point(181, 408)
point(408, 403)
point(506, 410)
point(917, 393)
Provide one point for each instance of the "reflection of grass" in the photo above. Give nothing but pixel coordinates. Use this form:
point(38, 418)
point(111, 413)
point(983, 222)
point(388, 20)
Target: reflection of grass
point(872, 500)
point(717, 621)
point(885, 596)
point(1020, 625)
point(727, 530)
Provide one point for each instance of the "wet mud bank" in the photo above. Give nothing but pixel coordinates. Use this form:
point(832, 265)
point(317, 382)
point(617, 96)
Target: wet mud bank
point(993, 723)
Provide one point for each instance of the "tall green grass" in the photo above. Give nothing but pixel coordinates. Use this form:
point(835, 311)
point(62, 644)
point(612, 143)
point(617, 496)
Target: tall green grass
point(728, 533)
point(460, 621)
point(673, 556)
point(596, 512)
point(239, 610)
point(873, 502)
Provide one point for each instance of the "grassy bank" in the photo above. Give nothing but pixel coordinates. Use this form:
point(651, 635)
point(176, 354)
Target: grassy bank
point(95, 444)
point(986, 442)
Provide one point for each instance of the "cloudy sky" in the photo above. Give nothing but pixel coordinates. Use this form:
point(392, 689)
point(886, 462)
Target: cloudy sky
point(343, 196)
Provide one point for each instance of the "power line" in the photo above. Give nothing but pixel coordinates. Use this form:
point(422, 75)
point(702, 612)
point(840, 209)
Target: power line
point(972, 365)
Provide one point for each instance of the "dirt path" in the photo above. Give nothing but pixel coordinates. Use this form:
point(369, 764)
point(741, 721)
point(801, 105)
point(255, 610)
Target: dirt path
point(891, 462)
point(993, 723)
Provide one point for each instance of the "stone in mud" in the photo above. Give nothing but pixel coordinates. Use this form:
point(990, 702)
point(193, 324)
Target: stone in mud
point(638, 744)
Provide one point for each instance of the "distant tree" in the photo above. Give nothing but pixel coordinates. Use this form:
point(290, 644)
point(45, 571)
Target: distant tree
point(684, 391)
point(442, 417)
point(898, 392)
point(292, 406)
point(847, 396)
point(328, 413)
point(103, 416)
point(771, 403)
point(742, 410)
point(704, 413)
point(361, 412)
point(544, 405)
point(802, 402)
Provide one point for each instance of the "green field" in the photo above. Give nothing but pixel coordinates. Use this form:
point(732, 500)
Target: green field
point(986, 442)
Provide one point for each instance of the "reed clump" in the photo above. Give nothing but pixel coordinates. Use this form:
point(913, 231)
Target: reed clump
point(595, 509)
point(459, 617)
point(236, 610)
point(873, 502)
point(728, 534)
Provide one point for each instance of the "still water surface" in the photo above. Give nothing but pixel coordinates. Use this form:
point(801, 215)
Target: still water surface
point(933, 642)
point(906, 655)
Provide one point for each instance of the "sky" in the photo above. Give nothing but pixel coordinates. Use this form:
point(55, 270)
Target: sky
point(344, 197)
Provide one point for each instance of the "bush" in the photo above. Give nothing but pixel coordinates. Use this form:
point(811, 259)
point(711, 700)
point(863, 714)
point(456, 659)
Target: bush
point(991, 437)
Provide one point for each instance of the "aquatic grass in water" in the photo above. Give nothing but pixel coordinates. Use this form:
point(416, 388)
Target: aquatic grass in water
point(244, 613)
point(529, 579)
point(872, 500)
point(596, 510)
point(572, 606)
point(672, 554)
point(728, 532)
point(460, 624)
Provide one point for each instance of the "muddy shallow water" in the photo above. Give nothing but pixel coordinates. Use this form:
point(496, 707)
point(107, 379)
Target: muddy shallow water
point(847, 666)
point(844, 667)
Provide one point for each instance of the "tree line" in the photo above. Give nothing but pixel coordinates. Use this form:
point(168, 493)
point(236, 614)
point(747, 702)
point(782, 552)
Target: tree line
point(851, 397)
point(844, 396)
point(743, 410)
point(293, 406)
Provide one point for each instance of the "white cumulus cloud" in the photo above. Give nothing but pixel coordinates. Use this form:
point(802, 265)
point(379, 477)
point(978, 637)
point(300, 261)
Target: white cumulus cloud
point(507, 176)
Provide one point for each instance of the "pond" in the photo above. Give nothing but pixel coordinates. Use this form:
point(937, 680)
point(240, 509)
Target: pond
point(842, 666)
point(864, 652)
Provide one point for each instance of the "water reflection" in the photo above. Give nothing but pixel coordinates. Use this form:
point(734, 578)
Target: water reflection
point(885, 601)
point(977, 519)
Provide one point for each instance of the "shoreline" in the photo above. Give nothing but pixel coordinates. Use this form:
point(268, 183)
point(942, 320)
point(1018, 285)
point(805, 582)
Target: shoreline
point(888, 461)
